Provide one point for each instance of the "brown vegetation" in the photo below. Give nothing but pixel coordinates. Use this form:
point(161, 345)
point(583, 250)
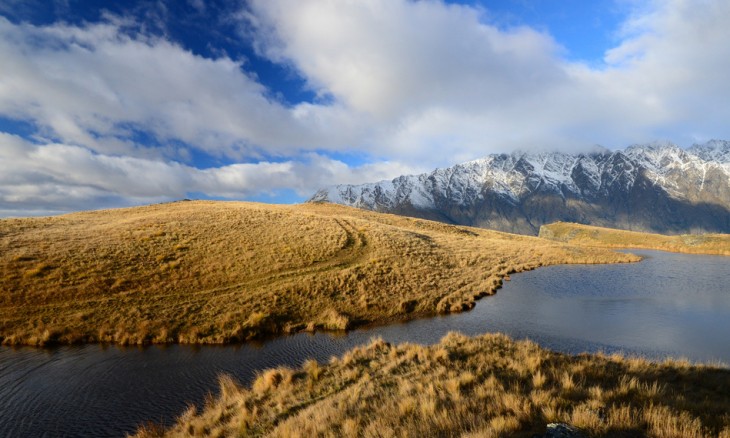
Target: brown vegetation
point(214, 272)
point(587, 235)
point(488, 386)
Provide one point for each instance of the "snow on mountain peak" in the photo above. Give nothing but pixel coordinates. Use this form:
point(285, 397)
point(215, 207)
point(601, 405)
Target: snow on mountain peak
point(713, 150)
point(510, 181)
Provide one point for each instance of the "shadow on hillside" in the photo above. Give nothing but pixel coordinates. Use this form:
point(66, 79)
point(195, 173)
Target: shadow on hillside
point(646, 208)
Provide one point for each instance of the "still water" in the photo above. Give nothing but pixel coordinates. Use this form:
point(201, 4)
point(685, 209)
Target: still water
point(667, 305)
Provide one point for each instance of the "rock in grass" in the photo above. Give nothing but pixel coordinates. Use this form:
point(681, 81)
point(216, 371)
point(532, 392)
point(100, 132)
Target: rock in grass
point(562, 430)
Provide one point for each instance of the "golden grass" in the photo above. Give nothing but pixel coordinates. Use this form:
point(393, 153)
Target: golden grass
point(487, 386)
point(587, 235)
point(215, 272)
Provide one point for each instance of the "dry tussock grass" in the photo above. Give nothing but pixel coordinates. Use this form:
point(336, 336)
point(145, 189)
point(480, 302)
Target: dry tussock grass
point(578, 234)
point(215, 272)
point(488, 386)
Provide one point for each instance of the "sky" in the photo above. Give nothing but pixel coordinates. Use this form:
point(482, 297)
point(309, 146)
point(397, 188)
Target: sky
point(112, 104)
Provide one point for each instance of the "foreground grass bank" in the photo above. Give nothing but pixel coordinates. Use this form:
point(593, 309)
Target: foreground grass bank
point(488, 386)
point(578, 234)
point(214, 272)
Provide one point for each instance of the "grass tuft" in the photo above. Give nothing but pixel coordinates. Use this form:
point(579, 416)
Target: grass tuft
point(484, 386)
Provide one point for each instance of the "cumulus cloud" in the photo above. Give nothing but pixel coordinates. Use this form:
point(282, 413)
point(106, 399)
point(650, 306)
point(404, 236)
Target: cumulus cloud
point(97, 85)
point(442, 76)
point(387, 58)
point(52, 178)
point(423, 83)
point(676, 58)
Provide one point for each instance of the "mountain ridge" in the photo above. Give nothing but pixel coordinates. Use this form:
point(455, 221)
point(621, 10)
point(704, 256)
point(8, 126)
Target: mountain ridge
point(655, 187)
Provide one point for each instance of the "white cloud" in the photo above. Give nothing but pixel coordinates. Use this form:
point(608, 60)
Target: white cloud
point(198, 5)
point(389, 57)
point(401, 63)
point(416, 82)
point(59, 177)
point(438, 76)
point(677, 58)
point(93, 85)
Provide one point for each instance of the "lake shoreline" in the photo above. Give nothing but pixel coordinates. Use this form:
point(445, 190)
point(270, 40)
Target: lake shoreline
point(293, 329)
point(217, 272)
point(155, 381)
point(503, 386)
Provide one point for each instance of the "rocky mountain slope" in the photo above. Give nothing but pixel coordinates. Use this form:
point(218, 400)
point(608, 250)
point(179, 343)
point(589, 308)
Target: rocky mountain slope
point(657, 187)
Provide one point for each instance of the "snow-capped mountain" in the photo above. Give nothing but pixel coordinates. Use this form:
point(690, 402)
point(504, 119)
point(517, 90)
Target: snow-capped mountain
point(657, 187)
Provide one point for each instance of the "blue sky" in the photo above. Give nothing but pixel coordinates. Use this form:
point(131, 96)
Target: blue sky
point(107, 104)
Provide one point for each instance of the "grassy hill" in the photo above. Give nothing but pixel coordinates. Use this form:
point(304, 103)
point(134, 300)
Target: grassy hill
point(587, 235)
point(487, 386)
point(214, 272)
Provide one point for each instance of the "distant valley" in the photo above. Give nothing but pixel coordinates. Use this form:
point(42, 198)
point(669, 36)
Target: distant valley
point(657, 187)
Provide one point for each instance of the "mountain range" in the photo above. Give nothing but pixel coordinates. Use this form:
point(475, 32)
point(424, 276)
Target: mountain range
point(655, 187)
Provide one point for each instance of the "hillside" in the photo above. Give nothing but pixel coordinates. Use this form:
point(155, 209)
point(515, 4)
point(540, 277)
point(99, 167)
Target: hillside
point(214, 272)
point(578, 234)
point(486, 386)
point(657, 187)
